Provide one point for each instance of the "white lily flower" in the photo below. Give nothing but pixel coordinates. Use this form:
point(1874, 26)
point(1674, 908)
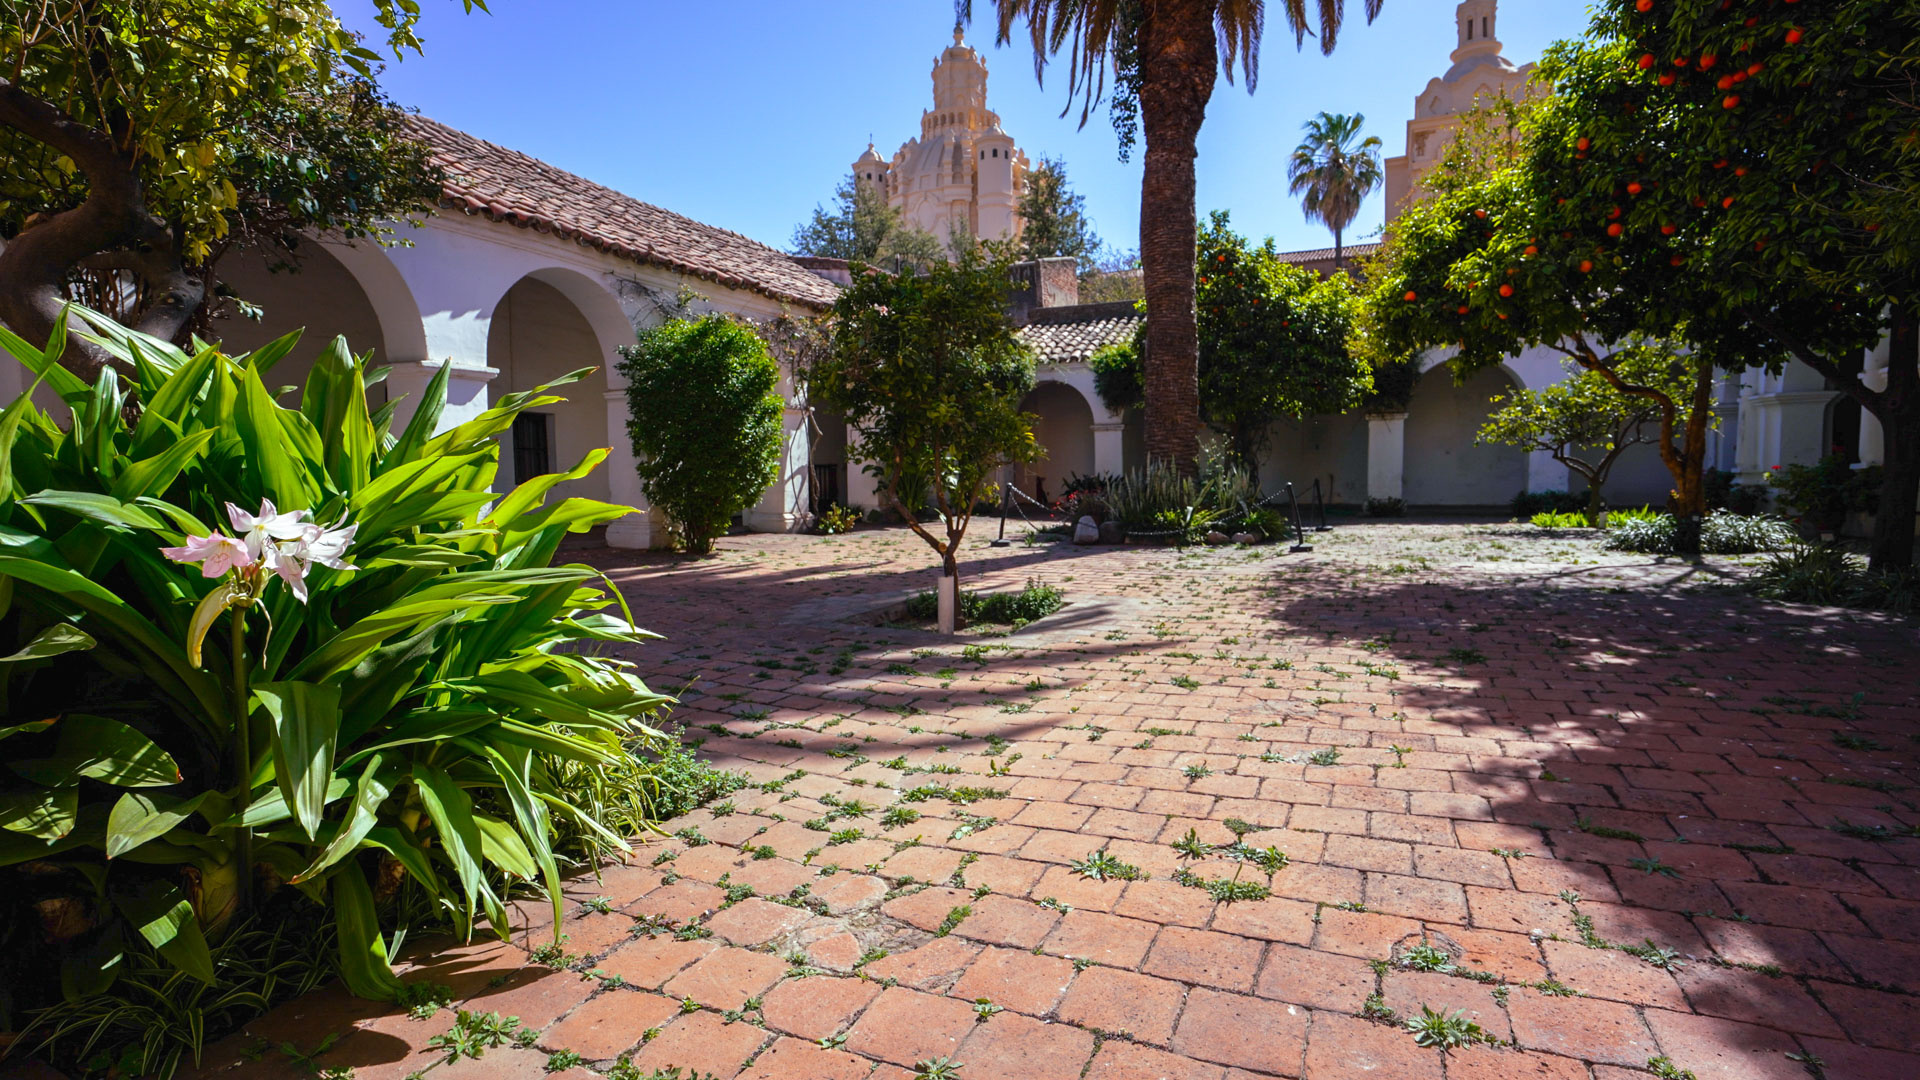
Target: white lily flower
point(260, 531)
point(216, 554)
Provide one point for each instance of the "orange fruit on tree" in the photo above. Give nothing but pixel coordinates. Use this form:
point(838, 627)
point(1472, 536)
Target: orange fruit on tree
point(1794, 35)
point(1586, 266)
point(1731, 101)
point(1646, 61)
point(1506, 290)
point(1615, 229)
point(1412, 296)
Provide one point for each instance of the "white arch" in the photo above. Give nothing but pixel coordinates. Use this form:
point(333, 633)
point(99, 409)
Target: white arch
point(388, 294)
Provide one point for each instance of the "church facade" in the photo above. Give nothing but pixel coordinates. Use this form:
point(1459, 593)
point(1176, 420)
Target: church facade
point(962, 175)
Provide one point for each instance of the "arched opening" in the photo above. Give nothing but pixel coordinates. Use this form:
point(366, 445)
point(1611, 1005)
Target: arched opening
point(1064, 429)
point(537, 334)
point(319, 296)
point(1444, 465)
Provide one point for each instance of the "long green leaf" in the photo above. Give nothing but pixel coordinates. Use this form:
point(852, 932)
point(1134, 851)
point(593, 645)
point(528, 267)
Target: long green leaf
point(369, 794)
point(452, 813)
point(101, 749)
point(152, 476)
point(45, 363)
point(306, 720)
point(105, 509)
point(53, 641)
point(162, 915)
point(363, 955)
point(45, 812)
point(139, 817)
point(426, 418)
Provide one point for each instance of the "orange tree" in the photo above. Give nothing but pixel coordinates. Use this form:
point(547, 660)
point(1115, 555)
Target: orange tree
point(1604, 228)
point(1767, 151)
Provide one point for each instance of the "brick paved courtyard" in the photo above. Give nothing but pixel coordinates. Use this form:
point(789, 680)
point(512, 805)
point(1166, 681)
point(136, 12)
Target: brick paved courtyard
point(1609, 808)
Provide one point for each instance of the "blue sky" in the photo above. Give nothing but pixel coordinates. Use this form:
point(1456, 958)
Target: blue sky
point(746, 113)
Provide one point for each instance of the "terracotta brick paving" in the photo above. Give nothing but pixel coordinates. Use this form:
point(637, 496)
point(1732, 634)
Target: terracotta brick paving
point(1510, 757)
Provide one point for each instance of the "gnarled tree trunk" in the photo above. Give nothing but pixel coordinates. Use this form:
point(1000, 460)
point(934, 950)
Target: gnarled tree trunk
point(111, 230)
point(1178, 64)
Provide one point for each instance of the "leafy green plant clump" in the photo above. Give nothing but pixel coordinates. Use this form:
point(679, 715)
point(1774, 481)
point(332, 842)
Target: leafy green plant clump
point(1721, 533)
point(1035, 602)
point(366, 697)
point(1827, 574)
point(1547, 519)
point(705, 421)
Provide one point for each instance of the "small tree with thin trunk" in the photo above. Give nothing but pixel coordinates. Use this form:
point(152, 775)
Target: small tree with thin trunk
point(929, 374)
point(1584, 422)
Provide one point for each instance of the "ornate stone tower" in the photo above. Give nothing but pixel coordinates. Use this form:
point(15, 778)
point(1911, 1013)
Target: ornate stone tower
point(962, 173)
point(1479, 70)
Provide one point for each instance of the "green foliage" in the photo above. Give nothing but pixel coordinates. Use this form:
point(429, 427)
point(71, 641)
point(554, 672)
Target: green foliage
point(160, 1015)
point(402, 725)
point(1445, 1030)
point(1528, 503)
point(705, 421)
point(140, 106)
point(1822, 494)
point(1547, 519)
point(1100, 866)
point(862, 227)
point(1273, 343)
point(927, 370)
point(1827, 574)
point(1722, 533)
point(1334, 170)
point(836, 520)
point(1584, 420)
point(1054, 218)
point(1016, 609)
point(1159, 499)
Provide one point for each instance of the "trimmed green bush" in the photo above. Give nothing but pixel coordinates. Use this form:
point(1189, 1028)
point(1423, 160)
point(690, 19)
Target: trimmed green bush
point(705, 422)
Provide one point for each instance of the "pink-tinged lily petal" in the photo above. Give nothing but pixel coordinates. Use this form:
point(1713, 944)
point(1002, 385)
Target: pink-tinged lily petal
point(328, 547)
point(216, 554)
point(291, 570)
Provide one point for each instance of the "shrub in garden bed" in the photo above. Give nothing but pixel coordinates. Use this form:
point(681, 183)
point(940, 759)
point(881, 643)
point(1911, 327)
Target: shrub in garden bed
point(285, 662)
point(1827, 574)
point(1721, 533)
point(1035, 602)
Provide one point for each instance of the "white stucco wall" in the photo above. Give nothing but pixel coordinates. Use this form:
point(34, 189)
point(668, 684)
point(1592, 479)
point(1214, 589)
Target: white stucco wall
point(320, 297)
point(1331, 449)
point(1444, 467)
point(1064, 430)
point(536, 335)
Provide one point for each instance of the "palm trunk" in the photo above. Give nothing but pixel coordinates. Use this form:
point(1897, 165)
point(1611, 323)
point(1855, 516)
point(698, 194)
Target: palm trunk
point(1339, 250)
point(1178, 62)
point(1899, 416)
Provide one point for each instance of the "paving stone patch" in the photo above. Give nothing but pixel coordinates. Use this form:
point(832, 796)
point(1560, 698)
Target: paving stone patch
point(1608, 806)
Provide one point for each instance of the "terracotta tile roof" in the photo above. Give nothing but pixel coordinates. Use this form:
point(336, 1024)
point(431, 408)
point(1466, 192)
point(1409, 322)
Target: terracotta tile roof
point(1066, 335)
point(1348, 256)
point(506, 185)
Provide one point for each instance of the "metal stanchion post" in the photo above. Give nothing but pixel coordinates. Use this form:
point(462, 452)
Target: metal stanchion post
point(1320, 505)
point(1006, 496)
point(1299, 529)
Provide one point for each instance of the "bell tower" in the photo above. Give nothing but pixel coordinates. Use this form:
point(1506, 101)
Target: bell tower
point(1478, 23)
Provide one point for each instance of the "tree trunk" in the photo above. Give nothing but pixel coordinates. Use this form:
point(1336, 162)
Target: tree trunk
point(1339, 250)
point(1690, 486)
point(1899, 417)
point(111, 229)
point(1595, 504)
point(1178, 63)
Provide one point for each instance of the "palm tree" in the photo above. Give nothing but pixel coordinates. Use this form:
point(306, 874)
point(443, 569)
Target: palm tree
point(1163, 57)
point(1335, 170)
